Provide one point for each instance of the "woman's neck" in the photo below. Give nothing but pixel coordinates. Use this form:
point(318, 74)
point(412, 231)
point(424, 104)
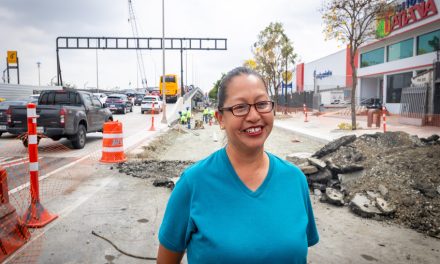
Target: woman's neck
point(239, 157)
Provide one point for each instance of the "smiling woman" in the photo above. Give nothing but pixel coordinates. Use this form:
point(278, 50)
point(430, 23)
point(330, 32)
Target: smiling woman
point(241, 204)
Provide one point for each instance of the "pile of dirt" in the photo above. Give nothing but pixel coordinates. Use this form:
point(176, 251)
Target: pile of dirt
point(402, 169)
point(155, 169)
point(160, 144)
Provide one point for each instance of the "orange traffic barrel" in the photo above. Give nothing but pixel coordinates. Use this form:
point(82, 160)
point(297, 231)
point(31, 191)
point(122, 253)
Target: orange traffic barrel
point(13, 232)
point(112, 143)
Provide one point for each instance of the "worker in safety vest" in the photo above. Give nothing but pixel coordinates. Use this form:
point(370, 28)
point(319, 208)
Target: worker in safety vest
point(205, 115)
point(183, 114)
point(188, 117)
point(183, 119)
point(211, 115)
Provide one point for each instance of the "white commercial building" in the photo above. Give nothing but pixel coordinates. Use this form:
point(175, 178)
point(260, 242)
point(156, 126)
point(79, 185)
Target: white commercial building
point(404, 49)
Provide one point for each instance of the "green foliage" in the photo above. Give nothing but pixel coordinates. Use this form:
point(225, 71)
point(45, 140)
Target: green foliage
point(347, 126)
point(273, 54)
point(214, 91)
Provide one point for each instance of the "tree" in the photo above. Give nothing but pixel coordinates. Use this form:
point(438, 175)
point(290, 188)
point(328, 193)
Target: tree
point(252, 64)
point(273, 53)
point(214, 91)
point(351, 22)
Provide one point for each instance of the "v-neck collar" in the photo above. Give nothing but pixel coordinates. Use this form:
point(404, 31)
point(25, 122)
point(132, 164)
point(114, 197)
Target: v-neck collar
point(240, 183)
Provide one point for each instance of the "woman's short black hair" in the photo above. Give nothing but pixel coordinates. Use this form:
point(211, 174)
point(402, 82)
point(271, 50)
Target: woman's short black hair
point(222, 90)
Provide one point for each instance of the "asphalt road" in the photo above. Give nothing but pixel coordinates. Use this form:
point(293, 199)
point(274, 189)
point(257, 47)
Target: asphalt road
point(56, 154)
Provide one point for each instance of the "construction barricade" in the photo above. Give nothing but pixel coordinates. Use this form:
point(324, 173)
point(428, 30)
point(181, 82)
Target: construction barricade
point(152, 119)
point(36, 215)
point(13, 232)
point(112, 143)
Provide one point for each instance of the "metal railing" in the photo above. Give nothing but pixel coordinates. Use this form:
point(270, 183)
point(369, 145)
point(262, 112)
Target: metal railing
point(413, 102)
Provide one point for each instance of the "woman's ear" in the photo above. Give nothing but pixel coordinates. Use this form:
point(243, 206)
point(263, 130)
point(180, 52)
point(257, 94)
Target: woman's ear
point(219, 118)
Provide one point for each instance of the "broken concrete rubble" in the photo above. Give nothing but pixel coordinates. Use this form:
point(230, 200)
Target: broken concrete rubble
point(298, 158)
point(334, 145)
point(400, 172)
point(308, 169)
point(361, 205)
point(334, 196)
point(317, 162)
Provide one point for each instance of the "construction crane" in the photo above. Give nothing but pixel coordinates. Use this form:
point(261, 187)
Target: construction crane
point(134, 29)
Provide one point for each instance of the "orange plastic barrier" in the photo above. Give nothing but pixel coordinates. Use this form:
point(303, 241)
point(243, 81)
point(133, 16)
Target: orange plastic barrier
point(152, 119)
point(36, 215)
point(112, 143)
point(13, 232)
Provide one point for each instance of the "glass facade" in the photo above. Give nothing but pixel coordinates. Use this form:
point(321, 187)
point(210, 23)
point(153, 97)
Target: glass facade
point(395, 83)
point(428, 42)
point(400, 50)
point(372, 57)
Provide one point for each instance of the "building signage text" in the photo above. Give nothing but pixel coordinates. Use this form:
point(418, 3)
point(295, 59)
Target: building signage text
point(322, 75)
point(404, 14)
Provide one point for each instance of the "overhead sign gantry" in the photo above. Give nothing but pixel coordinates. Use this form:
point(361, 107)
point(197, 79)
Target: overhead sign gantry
point(132, 43)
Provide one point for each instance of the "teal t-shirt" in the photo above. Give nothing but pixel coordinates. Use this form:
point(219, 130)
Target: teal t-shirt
point(217, 219)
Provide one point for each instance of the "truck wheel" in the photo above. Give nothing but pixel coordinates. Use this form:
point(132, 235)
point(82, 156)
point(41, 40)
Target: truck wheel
point(79, 140)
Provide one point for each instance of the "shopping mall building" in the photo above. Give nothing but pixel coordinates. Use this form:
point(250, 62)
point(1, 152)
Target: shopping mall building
point(402, 55)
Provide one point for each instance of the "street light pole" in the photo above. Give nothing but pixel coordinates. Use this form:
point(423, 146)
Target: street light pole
point(97, 78)
point(38, 64)
point(164, 113)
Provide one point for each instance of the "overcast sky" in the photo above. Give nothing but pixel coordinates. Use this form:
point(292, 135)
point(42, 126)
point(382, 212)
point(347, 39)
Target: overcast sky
point(31, 27)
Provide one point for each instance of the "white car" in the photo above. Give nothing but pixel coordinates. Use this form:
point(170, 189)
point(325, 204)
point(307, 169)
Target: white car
point(101, 96)
point(148, 101)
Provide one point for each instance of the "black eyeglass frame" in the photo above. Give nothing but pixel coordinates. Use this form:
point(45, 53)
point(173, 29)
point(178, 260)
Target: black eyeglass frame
point(230, 109)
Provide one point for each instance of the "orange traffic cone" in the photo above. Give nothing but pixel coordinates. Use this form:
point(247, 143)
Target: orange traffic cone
point(112, 143)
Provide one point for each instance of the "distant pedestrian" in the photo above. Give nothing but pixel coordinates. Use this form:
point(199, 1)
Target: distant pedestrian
point(188, 117)
point(241, 204)
point(205, 115)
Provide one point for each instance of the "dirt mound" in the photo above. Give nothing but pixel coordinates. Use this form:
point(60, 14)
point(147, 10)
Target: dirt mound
point(155, 169)
point(404, 169)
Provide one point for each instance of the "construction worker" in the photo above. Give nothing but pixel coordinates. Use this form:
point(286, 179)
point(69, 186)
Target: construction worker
point(211, 115)
point(205, 115)
point(188, 117)
point(183, 119)
point(184, 114)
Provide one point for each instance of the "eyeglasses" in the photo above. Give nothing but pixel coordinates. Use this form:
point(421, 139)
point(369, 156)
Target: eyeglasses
point(243, 109)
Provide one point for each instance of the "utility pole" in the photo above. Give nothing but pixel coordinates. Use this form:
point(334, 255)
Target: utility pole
point(97, 78)
point(164, 113)
point(38, 65)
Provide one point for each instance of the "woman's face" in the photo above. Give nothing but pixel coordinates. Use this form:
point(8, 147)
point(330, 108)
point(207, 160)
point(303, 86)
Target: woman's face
point(249, 132)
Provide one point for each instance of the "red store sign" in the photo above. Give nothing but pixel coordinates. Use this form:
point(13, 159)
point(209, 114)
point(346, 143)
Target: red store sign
point(404, 14)
point(412, 11)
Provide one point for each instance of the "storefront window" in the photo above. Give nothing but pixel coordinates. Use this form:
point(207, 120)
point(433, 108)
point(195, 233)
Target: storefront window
point(428, 42)
point(372, 57)
point(400, 50)
point(395, 83)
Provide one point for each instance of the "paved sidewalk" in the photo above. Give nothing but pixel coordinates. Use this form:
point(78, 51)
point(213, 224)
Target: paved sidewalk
point(324, 128)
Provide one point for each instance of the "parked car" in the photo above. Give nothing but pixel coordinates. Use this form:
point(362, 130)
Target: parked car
point(372, 103)
point(66, 113)
point(4, 107)
point(102, 97)
point(148, 101)
point(119, 103)
point(138, 99)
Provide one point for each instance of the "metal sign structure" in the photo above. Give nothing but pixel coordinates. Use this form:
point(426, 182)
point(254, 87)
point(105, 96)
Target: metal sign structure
point(132, 43)
point(12, 59)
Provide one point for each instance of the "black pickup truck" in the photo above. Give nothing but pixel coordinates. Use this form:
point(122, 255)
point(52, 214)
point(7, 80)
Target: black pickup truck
point(66, 113)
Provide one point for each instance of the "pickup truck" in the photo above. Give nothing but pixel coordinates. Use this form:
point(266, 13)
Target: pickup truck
point(66, 113)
